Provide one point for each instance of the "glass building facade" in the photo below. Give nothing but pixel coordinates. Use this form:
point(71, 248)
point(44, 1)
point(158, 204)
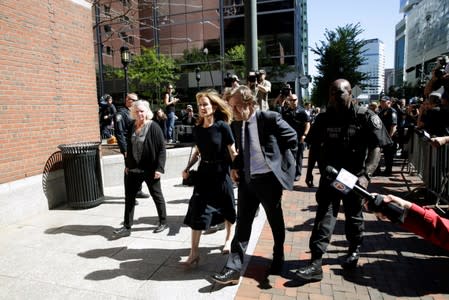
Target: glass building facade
point(219, 25)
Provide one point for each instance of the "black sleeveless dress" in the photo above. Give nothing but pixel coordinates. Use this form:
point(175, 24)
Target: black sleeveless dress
point(213, 200)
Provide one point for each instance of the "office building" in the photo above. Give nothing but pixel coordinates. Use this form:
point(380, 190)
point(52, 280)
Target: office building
point(374, 67)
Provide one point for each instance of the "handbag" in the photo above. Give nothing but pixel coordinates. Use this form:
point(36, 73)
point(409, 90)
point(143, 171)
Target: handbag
point(193, 174)
point(190, 181)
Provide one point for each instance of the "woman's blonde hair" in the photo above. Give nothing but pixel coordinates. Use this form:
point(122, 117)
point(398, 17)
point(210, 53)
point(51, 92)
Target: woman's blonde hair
point(146, 105)
point(222, 109)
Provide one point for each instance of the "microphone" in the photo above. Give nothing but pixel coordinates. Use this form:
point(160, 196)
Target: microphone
point(345, 182)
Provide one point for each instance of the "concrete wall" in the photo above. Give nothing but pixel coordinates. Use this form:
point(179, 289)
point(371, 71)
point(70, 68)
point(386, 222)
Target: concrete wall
point(23, 198)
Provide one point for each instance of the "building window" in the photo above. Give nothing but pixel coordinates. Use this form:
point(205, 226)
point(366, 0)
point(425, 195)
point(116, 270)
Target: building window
point(126, 2)
point(124, 19)
point(108, 50)
point(126, 38)
point(107, 10)
point(107, 29)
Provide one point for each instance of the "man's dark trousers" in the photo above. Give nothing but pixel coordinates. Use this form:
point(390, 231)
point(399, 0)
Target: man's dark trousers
point(262, 189)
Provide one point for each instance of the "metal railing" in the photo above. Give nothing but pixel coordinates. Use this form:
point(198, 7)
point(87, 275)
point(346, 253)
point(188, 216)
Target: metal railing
point(432, 165)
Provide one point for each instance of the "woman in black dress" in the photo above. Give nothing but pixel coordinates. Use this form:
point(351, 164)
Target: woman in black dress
point(213, 196)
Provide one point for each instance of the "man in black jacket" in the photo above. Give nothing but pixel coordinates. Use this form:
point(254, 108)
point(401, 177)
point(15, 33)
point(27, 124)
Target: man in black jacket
point(265, 166)
point(345, 136)
point(122, 124)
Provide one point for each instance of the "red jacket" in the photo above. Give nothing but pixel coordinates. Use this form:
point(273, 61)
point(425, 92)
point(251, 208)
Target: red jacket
point(428, 224)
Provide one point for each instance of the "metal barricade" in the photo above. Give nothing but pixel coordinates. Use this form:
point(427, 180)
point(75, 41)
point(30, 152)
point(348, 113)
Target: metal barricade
point(432, 166)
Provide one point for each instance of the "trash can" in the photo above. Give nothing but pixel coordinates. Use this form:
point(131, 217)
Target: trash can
point(82, 174)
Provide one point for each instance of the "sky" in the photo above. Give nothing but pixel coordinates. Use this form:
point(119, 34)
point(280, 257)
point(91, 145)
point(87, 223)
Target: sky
point(377, 18)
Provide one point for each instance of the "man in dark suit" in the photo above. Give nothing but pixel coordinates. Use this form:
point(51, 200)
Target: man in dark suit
point(265, 166)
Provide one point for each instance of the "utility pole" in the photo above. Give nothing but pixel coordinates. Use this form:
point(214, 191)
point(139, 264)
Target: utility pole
point(99, 49)
point(251, 36)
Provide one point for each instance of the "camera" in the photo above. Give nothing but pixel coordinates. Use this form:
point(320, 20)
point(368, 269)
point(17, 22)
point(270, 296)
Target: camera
point(252, 76)
point(285, 91)
point(443, 62)
point(229, 80)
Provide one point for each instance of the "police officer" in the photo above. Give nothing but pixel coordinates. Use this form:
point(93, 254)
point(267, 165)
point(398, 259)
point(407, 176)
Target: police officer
point(345, 136)
point(389, 117)
point(298, 119)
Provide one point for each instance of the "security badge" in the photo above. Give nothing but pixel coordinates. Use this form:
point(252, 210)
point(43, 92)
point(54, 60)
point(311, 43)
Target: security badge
point(376, 121)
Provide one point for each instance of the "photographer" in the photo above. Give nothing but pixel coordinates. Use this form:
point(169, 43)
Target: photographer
point(440, 76)
point(281, 100)
point(259, 88)
point(432, 118)
point(264, 87)
point(422, 221)
point(231, 81)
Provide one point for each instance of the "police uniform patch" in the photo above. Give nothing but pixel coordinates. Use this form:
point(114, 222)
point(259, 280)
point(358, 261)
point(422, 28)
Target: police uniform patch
point(376, 121)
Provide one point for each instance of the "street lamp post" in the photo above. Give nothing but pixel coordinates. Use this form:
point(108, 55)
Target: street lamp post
point(206, 52)
point(197, 77)
point(126, 58)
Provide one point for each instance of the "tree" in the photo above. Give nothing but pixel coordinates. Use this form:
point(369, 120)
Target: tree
point(149, 71)
point(339, 57)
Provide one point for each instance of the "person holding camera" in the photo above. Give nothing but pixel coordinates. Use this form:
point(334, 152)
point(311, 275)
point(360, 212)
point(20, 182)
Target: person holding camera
point(231, 81)
point(264, 88)
point(344, 136)
point(433, 117)
point(281, 100)
point(260, 87)
point(440, 76)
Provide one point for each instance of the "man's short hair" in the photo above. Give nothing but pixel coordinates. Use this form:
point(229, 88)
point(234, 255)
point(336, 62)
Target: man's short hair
point(246, 94)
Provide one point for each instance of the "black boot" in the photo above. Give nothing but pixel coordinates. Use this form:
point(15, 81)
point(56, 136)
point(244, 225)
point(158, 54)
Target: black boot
point(311, 272)
point(351, 259)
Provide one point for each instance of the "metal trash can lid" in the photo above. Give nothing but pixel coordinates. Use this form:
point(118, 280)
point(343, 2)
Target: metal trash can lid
point(79, 147)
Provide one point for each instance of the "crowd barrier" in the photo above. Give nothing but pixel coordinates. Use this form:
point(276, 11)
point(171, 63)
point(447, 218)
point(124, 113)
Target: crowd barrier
point(432, 165)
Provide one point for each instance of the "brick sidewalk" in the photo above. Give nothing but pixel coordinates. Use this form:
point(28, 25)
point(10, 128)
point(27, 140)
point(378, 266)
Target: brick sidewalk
point(393, 264)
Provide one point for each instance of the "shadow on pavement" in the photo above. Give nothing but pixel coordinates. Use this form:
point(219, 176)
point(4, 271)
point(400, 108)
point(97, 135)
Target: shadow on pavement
point(146, 264)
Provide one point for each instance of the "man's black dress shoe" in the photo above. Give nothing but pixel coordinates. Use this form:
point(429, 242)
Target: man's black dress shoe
point(160, 228)
point(123, 231)
point(350, 261)
point(310, 272)
point(227, 276)
point(141, 194)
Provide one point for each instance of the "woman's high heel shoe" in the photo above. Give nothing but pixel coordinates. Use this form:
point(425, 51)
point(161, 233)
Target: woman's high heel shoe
point(190, 262)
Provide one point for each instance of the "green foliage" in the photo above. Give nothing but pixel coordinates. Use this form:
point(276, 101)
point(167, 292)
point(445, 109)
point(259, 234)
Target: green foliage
point(235, 59)
point(149, 72)
point(339, 57)
point(406, 90)
point(110, 72)
point(193, 58)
